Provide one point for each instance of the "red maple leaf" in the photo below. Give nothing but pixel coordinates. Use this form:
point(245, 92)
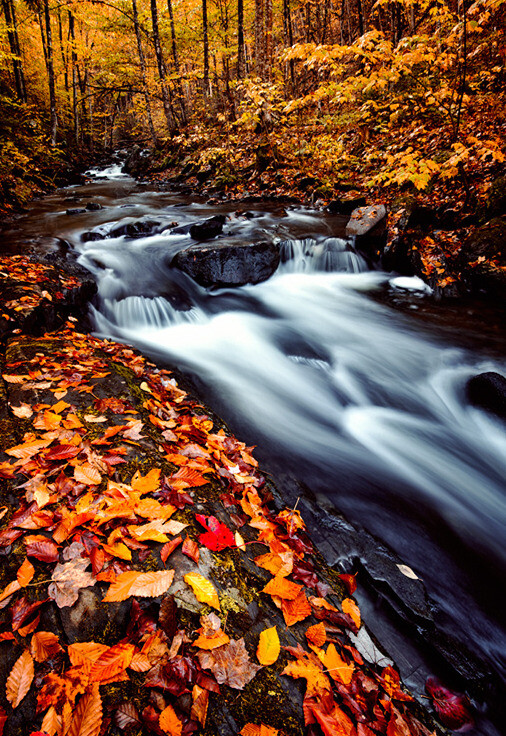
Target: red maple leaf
point(452, 708)
point(218, 535)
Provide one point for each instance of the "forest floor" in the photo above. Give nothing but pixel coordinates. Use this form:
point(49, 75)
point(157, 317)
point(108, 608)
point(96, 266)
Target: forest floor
point(152, 580)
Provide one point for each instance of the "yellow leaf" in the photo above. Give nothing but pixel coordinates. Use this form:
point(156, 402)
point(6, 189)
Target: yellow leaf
point(143, 584)
point(268, 646)
point(203, 588)
point(336, 666)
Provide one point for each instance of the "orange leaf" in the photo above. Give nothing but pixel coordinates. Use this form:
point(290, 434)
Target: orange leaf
point(87, 474)
point(51, 723)
point(147, 483)
point(211, 642)
point(25, 573)
point(283, 588)
point(169, 722)
point(317, 634)
point(190, 548)
point(112, 662)
point(316, 679)
point(350, 607)
point(87, 720)
point(44, 645)
point(200, 698)
point(251, 729)
point(85, 654)
point(143, 584)
point(268, 646)
point(336, 666)
point(203, 588)
point(276, 564)
point(296, 610)
point(8, 591)
point(20, 679)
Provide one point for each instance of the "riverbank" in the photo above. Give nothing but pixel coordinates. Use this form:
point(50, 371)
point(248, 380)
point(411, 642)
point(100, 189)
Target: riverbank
point(151, 572)
point(451, 233)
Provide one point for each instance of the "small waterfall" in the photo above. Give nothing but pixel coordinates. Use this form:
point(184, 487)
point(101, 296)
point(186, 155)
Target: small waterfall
point(328, 255)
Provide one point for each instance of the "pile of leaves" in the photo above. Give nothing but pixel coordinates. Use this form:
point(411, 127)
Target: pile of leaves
point(99, 493)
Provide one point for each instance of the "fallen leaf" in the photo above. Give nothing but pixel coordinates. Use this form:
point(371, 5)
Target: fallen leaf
point(87, 719)
point(283, 588)
point(268, 646)
point(169, 722)
point(190, 548)
point(200, 702)
point(25, 573)
point(44, 645)
point(112, 662)
point(251, 729)
point(453, 709)
point(350, 607)
point(20, 679)
point(296, 610)
point(335, 665)
point(23, 411)
point(68, 579)
point(203, 589)
point(230, 664)
point(218, 536)
point(87, 474)
point(143, 584)
point(169, 548)
point(317, 634)
point(408, 572)
point(127, 715)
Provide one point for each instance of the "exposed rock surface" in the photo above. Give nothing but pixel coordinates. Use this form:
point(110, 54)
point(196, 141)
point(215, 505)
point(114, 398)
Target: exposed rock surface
point(368, 226)
point(208, 229)
point(228, 262)
point(488, 391)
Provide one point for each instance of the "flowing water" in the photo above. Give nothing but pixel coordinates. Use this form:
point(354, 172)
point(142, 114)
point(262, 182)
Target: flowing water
point(359, 401)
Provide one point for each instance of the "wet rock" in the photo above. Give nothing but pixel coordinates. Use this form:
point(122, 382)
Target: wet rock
point(93, 206)
point(89, 618)
point(133, 230)
point(483, 258)
point(407, 221)
point(228, 263)
point(345, 206)
point(137, 162)
point(208, 229)
point(488, 391)
point(76, 211)
point(368, 226)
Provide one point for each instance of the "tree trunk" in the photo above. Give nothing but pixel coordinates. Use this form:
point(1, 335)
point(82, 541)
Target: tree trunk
point(259, 39)
point(62, 52)
point(175, 58)
point(240, 39)
point(206, 48)
point(50, 73)
point(142, 61)
point(268, 39)
point(74, 78)
point(360, 18)
point(12, 35)
point(287, 25)
point(162, 72)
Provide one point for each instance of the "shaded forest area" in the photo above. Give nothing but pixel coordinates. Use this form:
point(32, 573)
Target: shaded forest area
point(288, 97)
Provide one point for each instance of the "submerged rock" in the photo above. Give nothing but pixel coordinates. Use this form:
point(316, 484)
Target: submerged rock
point(488, 391)
point(208, 229)
point(228, 263)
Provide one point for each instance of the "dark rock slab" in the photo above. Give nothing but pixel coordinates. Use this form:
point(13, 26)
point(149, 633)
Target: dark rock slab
point(94, 206)
point(76, 211)
point(208, 229)
point(228, 263)
point(488, 391)
point(345, 206)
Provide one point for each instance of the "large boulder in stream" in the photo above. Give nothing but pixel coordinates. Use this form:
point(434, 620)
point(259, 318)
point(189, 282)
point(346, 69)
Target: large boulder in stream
point(367, 226)
point(228, 263)
point(488, 391)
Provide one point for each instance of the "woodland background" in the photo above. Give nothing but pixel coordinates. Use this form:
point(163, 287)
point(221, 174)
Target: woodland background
point(361, 93)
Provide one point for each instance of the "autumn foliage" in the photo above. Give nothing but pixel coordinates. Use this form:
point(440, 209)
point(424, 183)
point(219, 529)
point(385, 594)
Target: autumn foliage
point(92, 511)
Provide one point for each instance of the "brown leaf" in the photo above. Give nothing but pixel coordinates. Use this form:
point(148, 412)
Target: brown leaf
point(68, 579)
point(190, 548)
point(20, 679)
point(41, 548)
point(200, 697)
point(167, 617)
point(230, 664)
point(169, 548)
point(87, 720)
point(127, 715)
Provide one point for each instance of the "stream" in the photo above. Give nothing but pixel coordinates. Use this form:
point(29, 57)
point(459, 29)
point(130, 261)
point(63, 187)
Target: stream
point(361, 403)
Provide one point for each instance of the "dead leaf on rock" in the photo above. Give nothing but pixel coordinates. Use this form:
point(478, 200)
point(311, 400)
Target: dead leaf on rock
point(143, 584)
point(230, 664)
point(44, 645)
point(68, 579)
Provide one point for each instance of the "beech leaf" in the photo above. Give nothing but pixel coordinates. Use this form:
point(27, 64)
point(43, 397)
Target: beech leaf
point(143, 584)
point(20, 679)
point(268, 646)
point(87, 720)
point(203, 588)
point(169, 722)
point(44, 645)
